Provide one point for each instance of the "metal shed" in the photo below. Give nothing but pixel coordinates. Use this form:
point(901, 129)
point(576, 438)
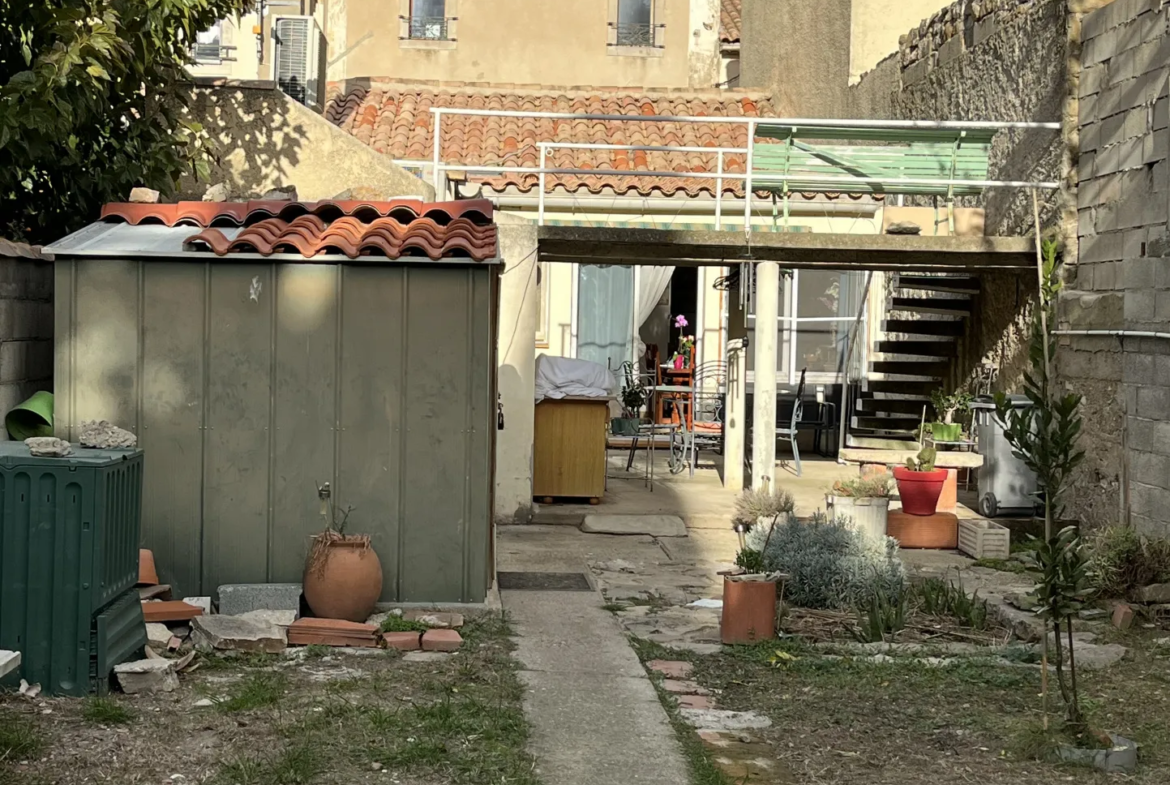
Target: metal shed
point(259, 349)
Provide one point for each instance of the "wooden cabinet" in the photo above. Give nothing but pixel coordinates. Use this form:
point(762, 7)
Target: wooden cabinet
point(569, 449)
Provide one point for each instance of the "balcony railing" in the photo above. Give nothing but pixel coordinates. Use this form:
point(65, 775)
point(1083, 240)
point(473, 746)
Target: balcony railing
point(427, 28)
point(640, 34)
point(212, 54)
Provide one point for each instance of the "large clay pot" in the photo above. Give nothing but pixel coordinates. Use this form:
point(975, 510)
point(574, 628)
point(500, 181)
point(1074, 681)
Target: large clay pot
point(868, 513)
point(749, 610)
point(919, 490)
point(343, 578)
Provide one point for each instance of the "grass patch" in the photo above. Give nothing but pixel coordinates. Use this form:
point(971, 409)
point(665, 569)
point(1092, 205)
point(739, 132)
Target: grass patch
point(256, 691)
point(19, 738)
point(314, 651)
point(614, 607)
point(106, 711)
point(399, 624)
point(1003, 565)
point(296, 764)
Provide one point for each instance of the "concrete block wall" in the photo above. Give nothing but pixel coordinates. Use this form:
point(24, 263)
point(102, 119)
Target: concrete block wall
point(1120, 279)
point(26, 324)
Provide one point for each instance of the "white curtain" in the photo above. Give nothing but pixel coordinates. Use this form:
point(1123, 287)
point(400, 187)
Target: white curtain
point(652, 284)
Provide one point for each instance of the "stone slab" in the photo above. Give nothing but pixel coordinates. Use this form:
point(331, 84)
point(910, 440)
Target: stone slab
point(721, 719)
point(143, 676)
point(650, 525)
point(235, 633)
point(9, 662)
point(427, 656)
point(158, 636)
point(237, 598)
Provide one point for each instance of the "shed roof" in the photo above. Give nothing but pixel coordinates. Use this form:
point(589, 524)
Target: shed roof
point(729, 21)
point(404, 228)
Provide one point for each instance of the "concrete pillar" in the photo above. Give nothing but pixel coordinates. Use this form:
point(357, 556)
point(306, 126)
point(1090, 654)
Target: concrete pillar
point(767, 297)
point(735, 415)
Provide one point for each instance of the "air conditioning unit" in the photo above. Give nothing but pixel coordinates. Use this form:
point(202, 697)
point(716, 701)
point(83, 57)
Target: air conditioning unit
point(297, 54)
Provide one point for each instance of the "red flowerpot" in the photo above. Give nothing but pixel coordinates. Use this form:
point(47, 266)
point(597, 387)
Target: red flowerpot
point(919, 490)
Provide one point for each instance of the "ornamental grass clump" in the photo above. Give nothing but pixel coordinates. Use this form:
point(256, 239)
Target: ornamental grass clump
point(829, 564)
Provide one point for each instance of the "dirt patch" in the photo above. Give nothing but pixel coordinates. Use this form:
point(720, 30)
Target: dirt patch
point(327, 718)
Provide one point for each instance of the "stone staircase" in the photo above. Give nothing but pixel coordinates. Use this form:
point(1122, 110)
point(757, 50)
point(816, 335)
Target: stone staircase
point(924, 335)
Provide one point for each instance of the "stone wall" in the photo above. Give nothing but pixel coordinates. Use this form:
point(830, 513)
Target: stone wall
point(26, 324)
point(1002, 60)
point(1121, 279)
point(262, 139)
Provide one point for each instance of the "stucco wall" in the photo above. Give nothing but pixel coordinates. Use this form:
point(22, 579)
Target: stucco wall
point(994, 60)
point(1120, 279)
point(524, 42)
point(262, 139)
point(26, 324)
point(876, 27)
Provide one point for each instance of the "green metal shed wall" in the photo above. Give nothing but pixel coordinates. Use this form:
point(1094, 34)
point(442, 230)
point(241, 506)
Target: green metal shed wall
point(250, 383)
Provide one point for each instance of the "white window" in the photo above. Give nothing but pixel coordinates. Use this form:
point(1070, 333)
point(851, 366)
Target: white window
point(208, 44)
point(428, 20)
point(635, 23)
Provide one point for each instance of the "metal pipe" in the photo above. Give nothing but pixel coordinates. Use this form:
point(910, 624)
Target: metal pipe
point(747, 190)
point(669, 206)
point(650, 148)
point(719, 193)
point(436, 158)
point(540, 207)
point(1115, 333)
point(955, 125)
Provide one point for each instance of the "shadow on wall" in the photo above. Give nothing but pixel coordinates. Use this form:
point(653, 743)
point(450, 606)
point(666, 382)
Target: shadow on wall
point(513, 461)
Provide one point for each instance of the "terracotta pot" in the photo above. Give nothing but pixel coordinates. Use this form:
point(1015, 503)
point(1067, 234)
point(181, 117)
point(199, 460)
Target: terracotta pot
point(345, 582)
point(749, 611)
point(147, 574)
point(919, 490)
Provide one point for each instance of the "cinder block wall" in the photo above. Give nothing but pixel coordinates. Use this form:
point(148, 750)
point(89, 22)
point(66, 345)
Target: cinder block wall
point(26, 324)
point(1121, 279)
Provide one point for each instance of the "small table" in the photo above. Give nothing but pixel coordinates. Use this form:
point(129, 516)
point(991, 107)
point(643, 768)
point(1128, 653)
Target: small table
point(655, 391)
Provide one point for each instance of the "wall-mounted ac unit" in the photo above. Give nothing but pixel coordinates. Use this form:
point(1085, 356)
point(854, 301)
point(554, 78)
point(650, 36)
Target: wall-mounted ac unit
point(297, 54)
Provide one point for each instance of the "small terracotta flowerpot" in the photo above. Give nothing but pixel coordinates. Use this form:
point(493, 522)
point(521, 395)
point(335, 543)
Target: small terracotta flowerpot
point(147, 574)
point(919, 490)
point(749, 609)
point(343, 578)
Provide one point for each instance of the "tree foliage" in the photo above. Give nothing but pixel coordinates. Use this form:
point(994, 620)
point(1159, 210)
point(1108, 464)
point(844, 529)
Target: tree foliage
point(91, 98)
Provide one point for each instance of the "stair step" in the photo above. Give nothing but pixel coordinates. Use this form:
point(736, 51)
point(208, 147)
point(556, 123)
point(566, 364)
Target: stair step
point(929, 369)
point(951, 327)
point(933, 284)
point(935, 305)
point(908, 389)
point(879, 443)
point(924, 348)
point(905, 406)
point(904, 424)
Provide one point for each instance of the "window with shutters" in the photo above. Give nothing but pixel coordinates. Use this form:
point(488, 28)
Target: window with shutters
point(636, 27)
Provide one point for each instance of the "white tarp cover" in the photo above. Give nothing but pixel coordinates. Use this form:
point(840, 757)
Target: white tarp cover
point(561, 377)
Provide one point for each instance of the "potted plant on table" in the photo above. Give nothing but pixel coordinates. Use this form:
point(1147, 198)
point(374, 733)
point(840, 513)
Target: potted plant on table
point(920, 483)
point(343, 575)
point(633, 398)
point(686, 345)
point(946, 408)
point(865, 501)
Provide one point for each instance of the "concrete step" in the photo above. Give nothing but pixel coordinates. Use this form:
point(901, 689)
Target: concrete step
point(935, 305)
point(879, 443)
point(923, 348)
point(930, 369)
point(939, 284)
point(906, 424)
point(908, 406)
point(945, 327)
point(906, 389)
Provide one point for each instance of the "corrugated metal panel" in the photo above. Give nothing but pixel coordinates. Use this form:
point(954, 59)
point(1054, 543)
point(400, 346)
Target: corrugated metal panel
point(254, 382)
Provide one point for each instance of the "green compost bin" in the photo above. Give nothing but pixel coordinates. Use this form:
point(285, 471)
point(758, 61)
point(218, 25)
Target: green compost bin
point(69, 539)
point(34, 417)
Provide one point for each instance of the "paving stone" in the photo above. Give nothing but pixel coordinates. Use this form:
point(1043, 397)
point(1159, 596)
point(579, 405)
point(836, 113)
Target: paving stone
point(236, 598)
point(403, 641)
point(721, 719)
point(441, 640)
point(235, 633)
point(673, 669)
point(695, 702)
point(145, 676)
point(158, 636)
point(684, 687)
point(426, 656)
point(282, 620)
point(434, 619)
point(651, 525)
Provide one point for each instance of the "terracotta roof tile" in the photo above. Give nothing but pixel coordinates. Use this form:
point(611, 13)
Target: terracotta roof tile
point(395, 118)
point(729, 21)
point(398, 228)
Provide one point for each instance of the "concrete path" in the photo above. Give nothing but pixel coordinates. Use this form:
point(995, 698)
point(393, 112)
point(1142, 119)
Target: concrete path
point(595, 716)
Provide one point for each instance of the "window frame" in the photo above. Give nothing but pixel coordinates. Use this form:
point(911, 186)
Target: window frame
point(451, 14)
point(657, 28)
point(542, 303)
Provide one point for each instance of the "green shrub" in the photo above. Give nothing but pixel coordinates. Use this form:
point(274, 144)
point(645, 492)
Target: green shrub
point(1121, 560)
point(879, 619)
point(752, 505)
point(830, 564)
point(859, 488)
point(939, 597)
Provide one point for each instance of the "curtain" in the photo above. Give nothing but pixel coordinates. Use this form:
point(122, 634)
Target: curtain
point(654, 281)
point(605, 303)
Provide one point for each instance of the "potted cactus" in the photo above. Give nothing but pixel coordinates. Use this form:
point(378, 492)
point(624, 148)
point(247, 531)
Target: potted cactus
point(920, 483)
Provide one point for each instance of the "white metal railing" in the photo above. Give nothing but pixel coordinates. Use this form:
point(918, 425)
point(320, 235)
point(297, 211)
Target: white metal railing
point(749, 178)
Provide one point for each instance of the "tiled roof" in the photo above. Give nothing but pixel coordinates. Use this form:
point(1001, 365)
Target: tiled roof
point(729, 21)
point(398, 228)
point(395, 118)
